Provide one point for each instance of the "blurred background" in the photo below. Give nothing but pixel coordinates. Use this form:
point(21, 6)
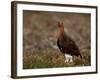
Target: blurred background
point(41, 34)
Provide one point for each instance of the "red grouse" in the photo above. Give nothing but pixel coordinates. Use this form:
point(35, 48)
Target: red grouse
point(66, 45)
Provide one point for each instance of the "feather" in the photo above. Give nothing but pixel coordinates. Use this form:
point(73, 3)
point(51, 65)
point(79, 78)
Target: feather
point(66, 44)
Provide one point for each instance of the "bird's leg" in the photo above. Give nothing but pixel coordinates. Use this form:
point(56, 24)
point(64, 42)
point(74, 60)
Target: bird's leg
point(68, 58)
point(71, 59)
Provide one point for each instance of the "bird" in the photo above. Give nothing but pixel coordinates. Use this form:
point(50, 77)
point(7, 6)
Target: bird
point(66, 44)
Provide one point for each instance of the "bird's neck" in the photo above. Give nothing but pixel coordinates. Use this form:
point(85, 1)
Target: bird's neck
point(61, 31)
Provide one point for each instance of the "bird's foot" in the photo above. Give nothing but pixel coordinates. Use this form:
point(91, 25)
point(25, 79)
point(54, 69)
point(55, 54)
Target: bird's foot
point(66, 61)
point(70, 60)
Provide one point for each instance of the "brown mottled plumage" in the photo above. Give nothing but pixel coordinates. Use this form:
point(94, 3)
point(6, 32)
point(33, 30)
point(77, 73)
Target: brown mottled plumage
point(66, 44)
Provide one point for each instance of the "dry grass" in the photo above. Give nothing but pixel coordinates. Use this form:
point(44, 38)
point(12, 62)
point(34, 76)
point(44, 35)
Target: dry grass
point(51, 59)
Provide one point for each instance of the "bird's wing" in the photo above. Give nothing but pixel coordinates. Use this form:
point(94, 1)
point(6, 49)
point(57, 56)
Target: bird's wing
point(67, 45)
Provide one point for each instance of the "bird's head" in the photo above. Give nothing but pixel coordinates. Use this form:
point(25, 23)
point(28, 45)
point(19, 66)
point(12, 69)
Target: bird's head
point(60, 29)
point(60, 24)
